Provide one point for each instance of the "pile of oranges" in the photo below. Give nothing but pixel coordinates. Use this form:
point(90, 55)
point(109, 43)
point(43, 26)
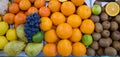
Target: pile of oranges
point(64, 23)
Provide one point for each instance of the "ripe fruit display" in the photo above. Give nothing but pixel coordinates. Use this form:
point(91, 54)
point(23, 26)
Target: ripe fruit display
point(60, 28)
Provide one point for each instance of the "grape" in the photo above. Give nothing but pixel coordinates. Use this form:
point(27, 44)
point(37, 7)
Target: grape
point(32, 25)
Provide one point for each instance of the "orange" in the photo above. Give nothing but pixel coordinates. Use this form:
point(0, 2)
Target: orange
point(64, 47)
point(76, 36)
point(112, 9)
point(54, 5)
point(20, 18)
point(24, 4)
point(57, 18)
point(32, 10)
point(39, 3)
point(67, 8)
point(9, 18)
point(78, 2)
point(84, 11)
point(74, 20)
point(50, 49)
point(32, 1)
point(87, 26)
point(64, 31)
point(16, 1)
point(50, 36)
point(44, 11)
point(14, 8)
point(46, 24)
point(79, 49)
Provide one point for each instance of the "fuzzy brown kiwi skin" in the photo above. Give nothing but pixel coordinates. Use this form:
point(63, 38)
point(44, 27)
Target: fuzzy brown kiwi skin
point(95, 18)
point(110, 51)
point(95, 45)
point(105, 33)
point(103, 42)
point(104, 16)
point(114, 26)
point(116, 45)
point(106, 25)
point(117, 19)
point(100, 51)
point(115, 35)
point(96, 36)
point(90, 52)
point(98, 27)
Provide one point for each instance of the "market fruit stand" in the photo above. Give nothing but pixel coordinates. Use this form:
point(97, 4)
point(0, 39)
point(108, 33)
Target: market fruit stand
point(59, 28)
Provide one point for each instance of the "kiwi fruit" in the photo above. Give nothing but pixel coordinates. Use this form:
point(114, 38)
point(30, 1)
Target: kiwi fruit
point(98, 27)
point(110, 51)
point(105, 33)
point(100, 51)
point(96, 36)
point(90, 52)
point(98, 3)
point(106, 24)
point(114, 26)
point(95, 18)
point(109, 39)
point(117, 19)
point(116, 45)
point(104, 16)
point(104, 42)
point(115, 35)
point(94, 45)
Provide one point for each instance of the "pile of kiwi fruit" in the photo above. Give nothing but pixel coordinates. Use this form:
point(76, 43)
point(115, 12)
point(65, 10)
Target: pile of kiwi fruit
point(106, 35)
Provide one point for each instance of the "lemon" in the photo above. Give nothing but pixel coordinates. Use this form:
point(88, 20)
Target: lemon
point(3, 27)
point(3, 41)
point(11, 34)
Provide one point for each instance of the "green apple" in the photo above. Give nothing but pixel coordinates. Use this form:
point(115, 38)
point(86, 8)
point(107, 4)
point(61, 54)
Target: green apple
point(96, 9)
point(87, 40)
point(38, 37)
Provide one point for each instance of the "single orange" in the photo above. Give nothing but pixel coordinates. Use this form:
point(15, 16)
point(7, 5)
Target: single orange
point(76, 36)
point(84, 11)
point(14, 8)
point(50, 49)
point(87, 26)
point(32, 1)
point(67, 8)
point(74, 20)
point(24, 4)
point(20, 18)
point(79, 49)
point(50, 36)
point(44, 11)
point(58, 16)
point(9, 18)
point(54, 5)
point(46, 24)
point(112, 9)
point(32, 10)
point(39, 3)
point(64, 47)
point(78, 2)
point(64, 31)
point(16, 1)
